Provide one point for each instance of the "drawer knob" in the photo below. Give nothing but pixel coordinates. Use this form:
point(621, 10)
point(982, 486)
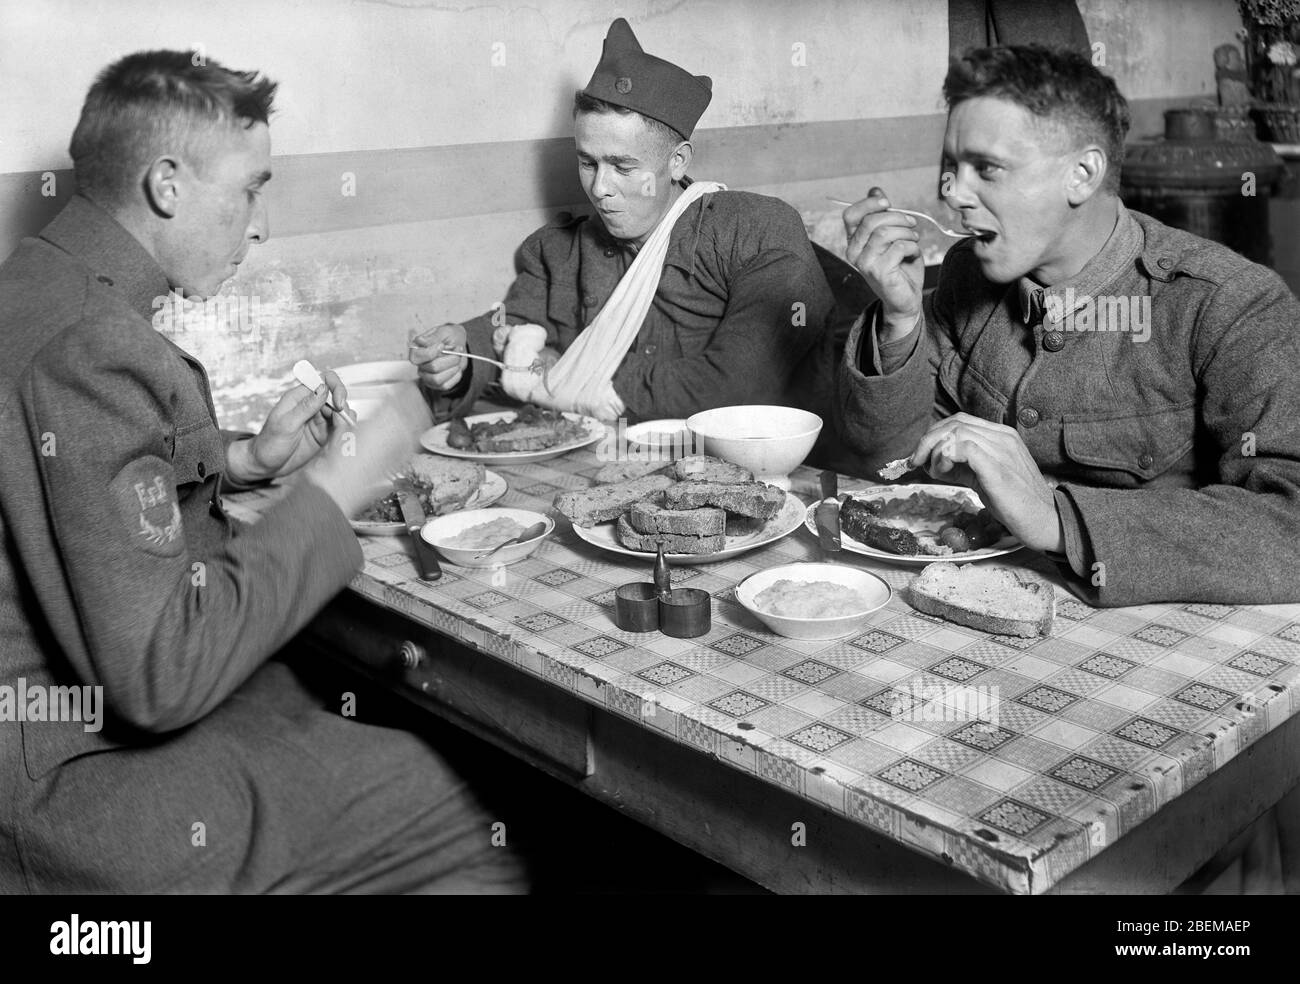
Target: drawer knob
point(410, 655)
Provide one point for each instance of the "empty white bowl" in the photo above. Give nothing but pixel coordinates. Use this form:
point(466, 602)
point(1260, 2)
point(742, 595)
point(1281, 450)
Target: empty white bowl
point(874, 591)
point(769, 441)
point(440, 529)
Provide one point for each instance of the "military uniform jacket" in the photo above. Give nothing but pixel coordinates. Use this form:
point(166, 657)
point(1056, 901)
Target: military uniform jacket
point(1158, 390)
point(741, 301)
point(120, 568)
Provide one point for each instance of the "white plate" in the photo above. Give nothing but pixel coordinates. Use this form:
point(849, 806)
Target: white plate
point(1008, 544)
point(784, 523)
point(435, 440)
point(492, 489)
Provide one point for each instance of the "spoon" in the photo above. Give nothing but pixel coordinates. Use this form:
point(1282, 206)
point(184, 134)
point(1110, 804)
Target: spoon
point(920, 215)
point(537, 529)
point(306, 373)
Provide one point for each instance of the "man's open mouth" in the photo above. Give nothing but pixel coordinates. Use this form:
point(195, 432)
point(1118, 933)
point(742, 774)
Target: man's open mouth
point(981, 235)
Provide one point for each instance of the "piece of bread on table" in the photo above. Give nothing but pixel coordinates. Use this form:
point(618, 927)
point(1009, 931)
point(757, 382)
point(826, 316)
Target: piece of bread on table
point(452, 482)
point(648, 517)
point(755, 499)
point(600, 503)
point(991, 599)
point(625, 471)
point(679, 543)
point(706, 468)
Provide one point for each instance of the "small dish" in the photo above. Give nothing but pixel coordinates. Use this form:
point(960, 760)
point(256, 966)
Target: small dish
point(873, 589)
point(665, 440)
point(440, 529)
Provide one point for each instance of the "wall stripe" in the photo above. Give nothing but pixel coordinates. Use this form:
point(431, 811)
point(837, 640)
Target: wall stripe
point(430, 183)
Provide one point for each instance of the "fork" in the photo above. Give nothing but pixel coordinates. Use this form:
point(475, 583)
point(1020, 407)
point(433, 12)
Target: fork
point(537, 365)
point(920, 215)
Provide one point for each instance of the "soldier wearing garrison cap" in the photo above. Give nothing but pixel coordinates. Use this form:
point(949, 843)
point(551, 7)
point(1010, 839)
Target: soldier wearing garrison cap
point(727, 299)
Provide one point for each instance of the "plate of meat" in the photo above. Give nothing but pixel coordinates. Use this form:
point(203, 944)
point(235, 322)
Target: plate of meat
point(513, 436)
point(919, 524)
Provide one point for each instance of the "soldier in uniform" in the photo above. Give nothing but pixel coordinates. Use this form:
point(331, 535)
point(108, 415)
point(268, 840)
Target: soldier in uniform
point(212, 770)
point(740, 299)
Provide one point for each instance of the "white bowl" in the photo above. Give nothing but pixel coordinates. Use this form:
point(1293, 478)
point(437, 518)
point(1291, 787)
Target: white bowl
point(367, 375)
point(874, 590)
point(442, 528)
point(769, 441)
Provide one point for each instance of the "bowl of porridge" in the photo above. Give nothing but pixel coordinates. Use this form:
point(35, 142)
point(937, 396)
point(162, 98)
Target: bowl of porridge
point(813, 601)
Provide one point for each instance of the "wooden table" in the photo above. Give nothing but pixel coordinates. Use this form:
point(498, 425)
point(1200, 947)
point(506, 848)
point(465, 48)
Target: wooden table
point(1116, 756)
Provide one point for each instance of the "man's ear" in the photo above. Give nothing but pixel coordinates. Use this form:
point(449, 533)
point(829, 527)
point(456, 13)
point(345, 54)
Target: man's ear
point(161, 186)
point(680, 162)
point(1086, 175)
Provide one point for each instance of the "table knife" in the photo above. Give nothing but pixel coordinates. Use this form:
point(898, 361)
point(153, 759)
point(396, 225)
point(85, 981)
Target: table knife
point(408, 501)
point(827, 513)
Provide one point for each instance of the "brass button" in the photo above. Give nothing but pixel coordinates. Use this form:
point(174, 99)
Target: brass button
point(1028, 417)
point(610, 251)
point(1165, 263)
point(650, 350)
point(1053, 341)
point(1146, 461)
point(203, 470)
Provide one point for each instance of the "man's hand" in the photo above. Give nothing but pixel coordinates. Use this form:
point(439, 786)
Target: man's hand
point(297, 428)
point(439, 372)
point(885, 246)
point(993, 460)
point(357, 464)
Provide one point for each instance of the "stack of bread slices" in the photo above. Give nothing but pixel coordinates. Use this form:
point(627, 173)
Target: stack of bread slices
point(690, 506)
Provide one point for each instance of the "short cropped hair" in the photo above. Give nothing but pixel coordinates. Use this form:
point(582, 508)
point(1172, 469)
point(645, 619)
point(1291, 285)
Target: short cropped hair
point(1059, 86)
point(583, 103)
point(157, 102)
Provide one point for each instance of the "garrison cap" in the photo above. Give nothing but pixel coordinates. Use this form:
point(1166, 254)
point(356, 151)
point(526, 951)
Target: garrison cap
point(628, 77)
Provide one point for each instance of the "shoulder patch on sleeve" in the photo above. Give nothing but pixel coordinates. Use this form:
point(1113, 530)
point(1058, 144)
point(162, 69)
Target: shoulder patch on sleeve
point(145, 494)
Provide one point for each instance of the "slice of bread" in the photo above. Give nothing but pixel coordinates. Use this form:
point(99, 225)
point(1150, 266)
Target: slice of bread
point(450, 481)
point(991, 599)
point(706, 468)
point(679, 543)
point(756, 499)
point(624, 471)
point(647, 517)
point(587, 507)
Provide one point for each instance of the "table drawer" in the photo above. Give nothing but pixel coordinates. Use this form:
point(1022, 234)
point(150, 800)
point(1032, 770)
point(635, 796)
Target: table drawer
point(497, 702)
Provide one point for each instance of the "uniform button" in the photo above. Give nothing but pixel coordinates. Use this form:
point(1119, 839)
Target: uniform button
point(106, 281)
point(589, 300)
point(1028, 417)
point(1053, 341)
point(610, 251)
point(1146, 461)
point(650, 350)
point(1165, 263)
point(203, 470)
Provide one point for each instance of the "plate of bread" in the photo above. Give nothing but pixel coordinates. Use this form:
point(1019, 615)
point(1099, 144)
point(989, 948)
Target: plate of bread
point(919, 524)
point(444, 485)
point(513, 437)
point(701, 509)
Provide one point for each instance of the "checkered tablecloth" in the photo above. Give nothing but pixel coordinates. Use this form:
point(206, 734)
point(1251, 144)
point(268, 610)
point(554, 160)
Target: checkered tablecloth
point(1015, 760)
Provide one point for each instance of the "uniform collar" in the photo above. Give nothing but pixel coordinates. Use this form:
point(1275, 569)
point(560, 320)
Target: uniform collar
point(115, 257)
point(1060, 299)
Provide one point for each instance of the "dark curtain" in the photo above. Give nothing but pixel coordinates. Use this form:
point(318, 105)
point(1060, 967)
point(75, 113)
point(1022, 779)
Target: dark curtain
point(980, 23)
